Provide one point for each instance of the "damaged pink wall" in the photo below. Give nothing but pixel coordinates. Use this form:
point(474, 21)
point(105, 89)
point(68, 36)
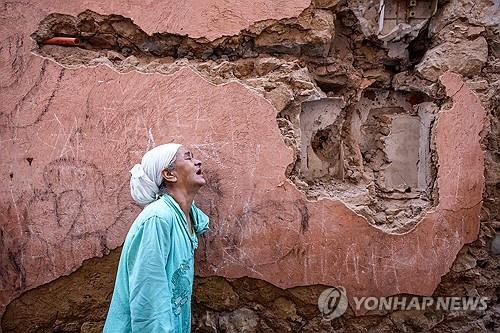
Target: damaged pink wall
point(69, 137)
point(195, 18)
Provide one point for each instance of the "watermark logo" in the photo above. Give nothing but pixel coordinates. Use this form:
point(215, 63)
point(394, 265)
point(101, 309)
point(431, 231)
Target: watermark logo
point(405, 303)
point(333, 302)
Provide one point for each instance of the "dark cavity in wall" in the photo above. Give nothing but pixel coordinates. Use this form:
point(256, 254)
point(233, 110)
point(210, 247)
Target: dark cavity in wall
point(375, 155)
point(117, 33)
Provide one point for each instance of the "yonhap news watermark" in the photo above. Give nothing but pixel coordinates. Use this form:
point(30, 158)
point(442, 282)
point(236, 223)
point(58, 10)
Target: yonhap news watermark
point(333, 302)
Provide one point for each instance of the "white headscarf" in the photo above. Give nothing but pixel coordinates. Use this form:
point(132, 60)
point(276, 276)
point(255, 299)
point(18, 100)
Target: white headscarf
point(146, 177)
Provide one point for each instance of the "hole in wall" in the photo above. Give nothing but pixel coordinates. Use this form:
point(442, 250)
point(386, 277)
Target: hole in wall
point(375, 155)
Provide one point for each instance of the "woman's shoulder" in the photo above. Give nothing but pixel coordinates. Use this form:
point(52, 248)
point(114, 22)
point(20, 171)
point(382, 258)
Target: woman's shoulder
point(156, 210)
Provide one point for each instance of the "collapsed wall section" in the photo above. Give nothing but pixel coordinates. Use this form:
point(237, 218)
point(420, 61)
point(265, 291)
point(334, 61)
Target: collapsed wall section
point(375, 155)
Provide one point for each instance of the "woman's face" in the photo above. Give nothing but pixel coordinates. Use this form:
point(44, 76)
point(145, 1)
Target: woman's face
point(187, 170)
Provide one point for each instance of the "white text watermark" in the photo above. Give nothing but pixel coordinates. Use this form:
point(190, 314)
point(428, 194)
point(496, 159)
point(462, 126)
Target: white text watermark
point(333, 303)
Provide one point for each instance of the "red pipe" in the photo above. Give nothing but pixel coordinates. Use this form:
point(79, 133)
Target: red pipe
point(69, 41)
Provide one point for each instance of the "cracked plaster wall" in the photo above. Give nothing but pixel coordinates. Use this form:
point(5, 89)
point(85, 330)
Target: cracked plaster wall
point(347, 136)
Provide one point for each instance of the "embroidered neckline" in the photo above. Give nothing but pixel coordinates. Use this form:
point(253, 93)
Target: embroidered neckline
point(192, 236)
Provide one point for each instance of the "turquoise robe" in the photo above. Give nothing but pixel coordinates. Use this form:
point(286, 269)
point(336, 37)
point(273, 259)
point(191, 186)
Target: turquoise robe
point(155, 274)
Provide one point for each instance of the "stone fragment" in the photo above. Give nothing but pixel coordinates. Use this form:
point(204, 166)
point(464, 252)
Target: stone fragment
point(242, 320)
point(477, 13)
point(464, 262)
point(112, 55)
point(243, 68)
point(397, 50)
point(405, 81)
point(71, 58)
point(310, 34)
point(307, 295)
point(279, 97)
point(378, 75)
point(405, 321)
point(285, 309)
point(68, 327)
point(302, 81)
point(495, 244)
point(130, 61)
point(458, 31)
point(367, 13)
point(318, 325)
point(92, 327)
point(466, 58)
point(325, 3)
point(216, 293)
point(265, 65)
point(205, 321)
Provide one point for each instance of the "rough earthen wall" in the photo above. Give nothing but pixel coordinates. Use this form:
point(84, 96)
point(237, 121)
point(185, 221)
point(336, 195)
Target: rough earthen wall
point(341, 146)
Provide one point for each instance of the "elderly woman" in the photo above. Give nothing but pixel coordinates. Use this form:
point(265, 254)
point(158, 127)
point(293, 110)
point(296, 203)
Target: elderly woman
point(155, 274)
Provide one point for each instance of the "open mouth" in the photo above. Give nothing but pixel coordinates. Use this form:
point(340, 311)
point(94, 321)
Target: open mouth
point(198, 172)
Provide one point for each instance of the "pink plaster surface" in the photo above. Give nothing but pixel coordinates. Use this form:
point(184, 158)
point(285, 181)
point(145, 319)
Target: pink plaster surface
point(69, 137)
point(287, 240)
point(197, 18)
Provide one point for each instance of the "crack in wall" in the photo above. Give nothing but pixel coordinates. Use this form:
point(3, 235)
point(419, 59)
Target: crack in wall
point(307, 35)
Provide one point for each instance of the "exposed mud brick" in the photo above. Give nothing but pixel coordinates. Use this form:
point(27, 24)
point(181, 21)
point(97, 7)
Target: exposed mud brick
point(312, 28)
point(215, 293)
point(466, 58)
point(80, 301)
